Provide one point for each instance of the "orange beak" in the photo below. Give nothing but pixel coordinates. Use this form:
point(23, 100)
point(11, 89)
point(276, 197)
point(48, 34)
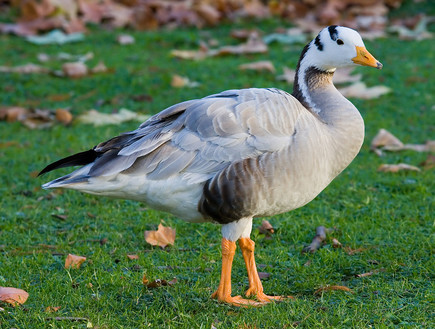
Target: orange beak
point(363, 57)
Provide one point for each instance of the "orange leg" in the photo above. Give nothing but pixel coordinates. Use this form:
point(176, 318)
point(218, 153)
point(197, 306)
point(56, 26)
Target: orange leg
point(255, 286)
point(223, 293)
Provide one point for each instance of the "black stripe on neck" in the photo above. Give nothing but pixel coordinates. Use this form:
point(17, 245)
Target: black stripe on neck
point(313, 78)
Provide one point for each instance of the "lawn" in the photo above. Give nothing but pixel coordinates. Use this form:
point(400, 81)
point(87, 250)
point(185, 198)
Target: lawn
point(385, 218)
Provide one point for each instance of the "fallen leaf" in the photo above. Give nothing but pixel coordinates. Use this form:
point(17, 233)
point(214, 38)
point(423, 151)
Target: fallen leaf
point(75, 69)
point(99, 68)
point(287, 76)
point(25, 69)
point(162, 237)
point(62, 56)
point(258, 66)
point(52, 309)
point(263, 275)
point(329, 288)
point(266, 228)
point(318, 240)
point(158, 282)
point(178, 82)
point(13, 113)
point(344, 75)
point(64, 116)
point(351, 251)
point(360, 90)
point(288, 38)
point(38, 119)
point(208, 12)
point(190, 54)
point(56, 37)
point(132, 256)
point(125, 39)
point(386, 140)
point(74, 261)
point(429, 163)
point(98, 119)
point(254, 45)
point(419, 32)
point(243, 34)
point(336, 243)
point(363, 275)
point(397, 167)
point(59, 216)
point(13, 296)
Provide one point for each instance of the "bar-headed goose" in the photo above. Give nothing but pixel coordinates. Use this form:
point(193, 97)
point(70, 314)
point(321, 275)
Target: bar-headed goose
point(236, 155)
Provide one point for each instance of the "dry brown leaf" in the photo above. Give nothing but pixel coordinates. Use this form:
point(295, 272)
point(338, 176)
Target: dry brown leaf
point(13, 296)
point(263, 275)
point(254, 45)
point(75, 69)
point(99, 68)
point(158, 282)
point(329, 288)
point(386, 140)
point(317, 241)
point(98, 119)
point(344, 75)
point(132, 256)
point(13, 113)
point(397, 167)
point(52, 309)
point(64, 116)
point(363, 275)
point(258, 66)
point(266, 228)
point(243, 34)
point(125, 39)
point(336, 243)
point(38, 119)
point(25, 69)
point(178, 81)
point(360, 90)
point(162, 237)
point(190, 54)
point(91, 11)
point(351, 251)
point(429, 163)
point(74, 261)
point(287, 76)
point(209, 13)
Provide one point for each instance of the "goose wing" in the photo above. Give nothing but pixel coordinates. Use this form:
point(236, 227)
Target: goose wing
point(200, 137)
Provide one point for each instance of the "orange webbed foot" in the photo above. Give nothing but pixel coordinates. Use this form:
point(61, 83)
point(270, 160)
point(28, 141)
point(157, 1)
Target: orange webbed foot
point(236, 300)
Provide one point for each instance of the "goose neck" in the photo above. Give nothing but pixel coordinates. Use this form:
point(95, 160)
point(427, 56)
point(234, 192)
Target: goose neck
point(312, 87)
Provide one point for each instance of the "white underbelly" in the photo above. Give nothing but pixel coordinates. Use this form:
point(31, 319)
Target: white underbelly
point(175, 195)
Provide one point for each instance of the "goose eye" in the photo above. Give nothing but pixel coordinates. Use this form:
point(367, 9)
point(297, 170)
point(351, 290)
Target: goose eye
point(340, 42)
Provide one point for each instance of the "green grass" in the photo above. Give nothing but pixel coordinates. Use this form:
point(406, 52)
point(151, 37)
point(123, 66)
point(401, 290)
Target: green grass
point(389, 215)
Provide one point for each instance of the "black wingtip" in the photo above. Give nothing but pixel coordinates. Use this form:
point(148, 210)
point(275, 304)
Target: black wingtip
point(79, 159)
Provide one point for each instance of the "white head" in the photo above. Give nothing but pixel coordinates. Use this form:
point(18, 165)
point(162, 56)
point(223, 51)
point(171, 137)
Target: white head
point(338, 46)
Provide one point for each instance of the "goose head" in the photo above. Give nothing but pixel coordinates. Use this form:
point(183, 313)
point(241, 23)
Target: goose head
point(338, 46)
